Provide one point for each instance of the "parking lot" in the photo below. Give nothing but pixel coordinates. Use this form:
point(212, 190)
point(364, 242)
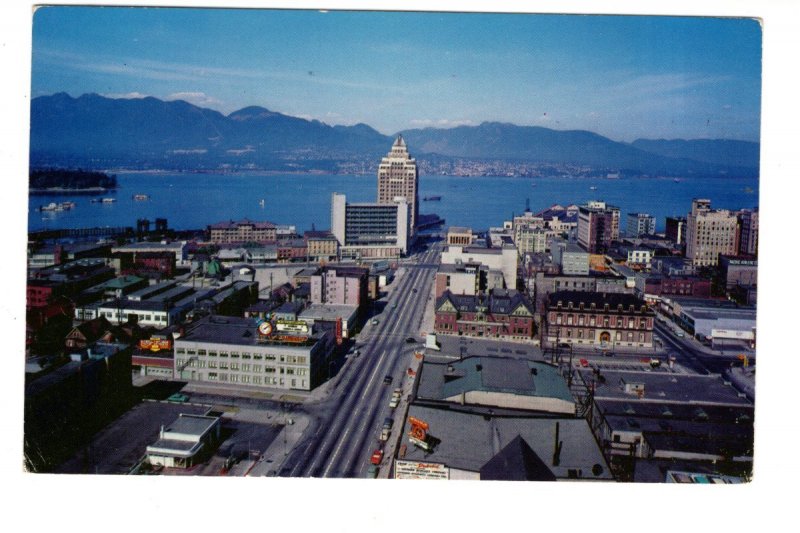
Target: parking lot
point(120, 445)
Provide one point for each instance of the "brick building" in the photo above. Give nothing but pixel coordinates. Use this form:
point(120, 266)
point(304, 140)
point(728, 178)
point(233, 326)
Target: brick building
point(590, 318)
point(340, 285)
point(598, 226)
point(321, 245)
point(242, 231)
point(499, 314)
point(161, 264)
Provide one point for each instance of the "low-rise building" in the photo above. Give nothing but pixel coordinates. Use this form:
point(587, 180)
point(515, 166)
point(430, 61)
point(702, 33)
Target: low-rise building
point(468, 279)
point(459, 236)
point(330, 313)
point(499, 314)
point(652, 286)
point(321, 246)
point(597, 319)
point(571, 258)
point(67, 279)
point(501, 382)
point(66, 405)
point(188, 441)
point(503, 259)
point(178, 249)
point(646, 416)
point(546, 284)
point(290, 250)
point(739, 271)
point(242, 231)
point(243, 352)
point(640, 224)
point(462, 444)
point(266, 253)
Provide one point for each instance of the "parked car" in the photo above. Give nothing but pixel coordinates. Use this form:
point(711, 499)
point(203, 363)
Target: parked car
point(375, 321)
point(410, 340)
point(377, 457)
point(372, 472)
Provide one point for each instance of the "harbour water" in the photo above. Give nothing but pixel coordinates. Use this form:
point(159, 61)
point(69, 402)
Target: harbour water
point(194, 200)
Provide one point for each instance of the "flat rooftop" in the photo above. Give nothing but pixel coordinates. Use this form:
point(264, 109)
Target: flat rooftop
point(664, 387)
point(328, 311)
point(720, 314)
point(187, 424)
point(233, 330)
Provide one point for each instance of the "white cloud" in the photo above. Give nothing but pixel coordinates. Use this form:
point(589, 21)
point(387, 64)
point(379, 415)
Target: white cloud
point(440, 123)
point(195, 97)
point(126, 96)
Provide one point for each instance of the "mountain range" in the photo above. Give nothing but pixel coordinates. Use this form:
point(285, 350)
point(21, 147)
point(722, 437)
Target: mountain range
point(93, 131)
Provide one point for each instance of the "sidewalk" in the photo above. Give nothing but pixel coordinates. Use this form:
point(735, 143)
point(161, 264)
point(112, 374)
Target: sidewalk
point(271, 461)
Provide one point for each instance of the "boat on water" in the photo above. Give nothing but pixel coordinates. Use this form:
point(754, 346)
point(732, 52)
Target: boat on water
point(676, 180)
point(592, 188)
point(52, 206)
point(749, 190)
point(108, 200)
point(261, 202)
point(432, 198)
point(141, 197)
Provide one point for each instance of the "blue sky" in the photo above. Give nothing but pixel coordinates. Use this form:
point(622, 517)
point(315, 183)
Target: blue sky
point(623, 77)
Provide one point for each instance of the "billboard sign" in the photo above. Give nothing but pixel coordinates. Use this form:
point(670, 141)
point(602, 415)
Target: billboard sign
point(155, 344)
point(420, 470)
point(732, 334)
point(293, 327)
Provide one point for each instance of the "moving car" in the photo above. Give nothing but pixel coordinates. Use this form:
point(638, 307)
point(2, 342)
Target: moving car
point(387, 380)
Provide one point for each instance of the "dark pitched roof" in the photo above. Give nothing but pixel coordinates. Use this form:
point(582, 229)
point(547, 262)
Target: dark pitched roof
point(93, 329)
point(597, 298)
point(516, 462)
point(498, 301)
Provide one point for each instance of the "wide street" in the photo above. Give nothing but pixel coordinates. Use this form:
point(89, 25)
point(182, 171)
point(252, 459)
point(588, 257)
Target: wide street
point(345, 426)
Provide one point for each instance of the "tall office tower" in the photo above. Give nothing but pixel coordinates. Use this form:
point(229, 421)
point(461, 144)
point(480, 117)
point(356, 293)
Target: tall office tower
point(748, 237)
point(370, 231)
point(598, 226)
point(640, 224)
point(709, 233)
point(398, 179)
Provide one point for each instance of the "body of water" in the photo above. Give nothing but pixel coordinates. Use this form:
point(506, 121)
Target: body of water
point(192, 201)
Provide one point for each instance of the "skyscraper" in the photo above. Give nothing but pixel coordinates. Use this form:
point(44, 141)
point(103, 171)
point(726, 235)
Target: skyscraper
point(398, 179)
point(709, 233)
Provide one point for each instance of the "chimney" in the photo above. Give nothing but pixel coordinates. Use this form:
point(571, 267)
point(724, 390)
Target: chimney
point(557, 447)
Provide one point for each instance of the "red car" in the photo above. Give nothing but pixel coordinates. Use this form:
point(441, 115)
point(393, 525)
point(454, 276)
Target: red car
point(584, 363)
point(377, 457)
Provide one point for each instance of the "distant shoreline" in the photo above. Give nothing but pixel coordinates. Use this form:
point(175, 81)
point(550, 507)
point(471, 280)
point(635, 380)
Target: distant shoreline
point(68, 190)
